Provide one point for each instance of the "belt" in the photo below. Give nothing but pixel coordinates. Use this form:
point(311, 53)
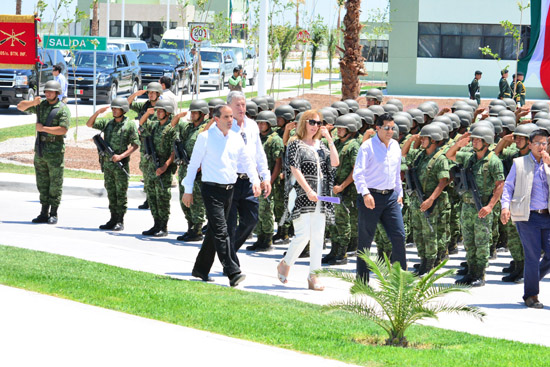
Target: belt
point(242, 176)
point(381, 192)
point(540, 211)
point(221, 186)
point(52, 139)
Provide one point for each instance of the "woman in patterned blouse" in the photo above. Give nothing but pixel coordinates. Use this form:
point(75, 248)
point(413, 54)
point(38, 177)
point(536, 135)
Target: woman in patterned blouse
point(309, 165)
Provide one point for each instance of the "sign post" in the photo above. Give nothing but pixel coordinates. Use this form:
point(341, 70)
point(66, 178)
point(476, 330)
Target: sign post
point(199, 33)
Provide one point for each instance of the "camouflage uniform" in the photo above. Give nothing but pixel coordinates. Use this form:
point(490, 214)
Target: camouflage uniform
point(118, 135)
point(273, 148)
point(159, 198)
point(49, 167)
point(188, 133)
point(141, 108)
point(477, 232)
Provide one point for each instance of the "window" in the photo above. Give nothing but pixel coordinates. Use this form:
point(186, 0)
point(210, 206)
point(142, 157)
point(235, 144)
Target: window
point(462, 41)
point(375, 50)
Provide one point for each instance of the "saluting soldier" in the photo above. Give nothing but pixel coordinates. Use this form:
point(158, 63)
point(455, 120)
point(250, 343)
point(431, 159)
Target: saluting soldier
point(49, 157)
point(121, 135)
point(519, 89)
point(159, 174)
point(187, 133)
point(487, 172)
point(474, 89)
point(503, 86)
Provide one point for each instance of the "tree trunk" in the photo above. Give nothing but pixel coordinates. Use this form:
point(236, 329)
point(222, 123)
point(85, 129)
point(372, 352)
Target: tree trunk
point(95, 21)
point(18, 7)
point(297, 14)
point(352, 64)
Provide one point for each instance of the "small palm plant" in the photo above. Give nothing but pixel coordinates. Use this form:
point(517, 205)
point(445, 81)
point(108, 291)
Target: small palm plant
point(400, 299)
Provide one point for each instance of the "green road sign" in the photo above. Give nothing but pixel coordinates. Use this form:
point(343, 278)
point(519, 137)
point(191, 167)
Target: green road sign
point(78, 43)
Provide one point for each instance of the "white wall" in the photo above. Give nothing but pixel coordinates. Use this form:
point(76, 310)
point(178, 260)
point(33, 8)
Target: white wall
point(472, 11)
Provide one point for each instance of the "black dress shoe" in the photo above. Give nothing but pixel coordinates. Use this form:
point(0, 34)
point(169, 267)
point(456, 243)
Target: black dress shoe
point(145, 205)
point(196, 274)
point(235, 279)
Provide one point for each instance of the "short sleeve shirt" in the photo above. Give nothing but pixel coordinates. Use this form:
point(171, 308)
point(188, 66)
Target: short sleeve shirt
point(487, 171)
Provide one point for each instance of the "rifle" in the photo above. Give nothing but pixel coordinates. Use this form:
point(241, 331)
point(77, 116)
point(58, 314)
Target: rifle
point(39, 143)
point(472, 187)
point(458, 175)
point(180, 154)
point(152, 154)
point(104, 150)
point(414, 186)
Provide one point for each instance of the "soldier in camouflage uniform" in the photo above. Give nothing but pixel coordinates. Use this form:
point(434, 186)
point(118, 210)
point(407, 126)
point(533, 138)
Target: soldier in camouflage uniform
point(154, 91)
point(488, 175)
point(274, 149)
point(432, 170)
point(187, 133)
point(121, 135)
point(159, 179)
point(344, 231)
point(52, 125)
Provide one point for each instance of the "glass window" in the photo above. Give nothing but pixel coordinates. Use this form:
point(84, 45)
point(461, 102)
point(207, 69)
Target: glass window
point(451, 29)
point(450, 46)
point(428, 46)
point(472, 29)
point(495, 43)
point(493, 30)
point(509, 50)
point(428, 28)
point(470, 47)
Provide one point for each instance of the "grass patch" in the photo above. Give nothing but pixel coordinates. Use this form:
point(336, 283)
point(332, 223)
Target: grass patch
point(22, 131)
point(315, 85)
point(67, 173)
point(262, 318)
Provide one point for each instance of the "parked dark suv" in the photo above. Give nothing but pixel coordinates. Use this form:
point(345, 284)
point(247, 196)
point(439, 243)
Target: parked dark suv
point(17, 85)
point(116, 71)
point(174, 64)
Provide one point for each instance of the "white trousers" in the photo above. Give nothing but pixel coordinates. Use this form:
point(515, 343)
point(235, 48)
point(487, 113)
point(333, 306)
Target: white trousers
point(309, 227)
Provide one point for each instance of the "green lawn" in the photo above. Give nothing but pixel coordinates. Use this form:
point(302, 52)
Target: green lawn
point(30, 129)
point(257, 317)
point(67, 173)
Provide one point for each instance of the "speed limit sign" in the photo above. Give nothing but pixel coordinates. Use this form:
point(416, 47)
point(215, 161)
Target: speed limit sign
point(199, 34)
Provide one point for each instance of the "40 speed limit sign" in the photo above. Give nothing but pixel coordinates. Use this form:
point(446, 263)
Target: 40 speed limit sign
point(199, 34)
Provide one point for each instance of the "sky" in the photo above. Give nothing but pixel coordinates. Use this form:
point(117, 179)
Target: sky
point(325, 8)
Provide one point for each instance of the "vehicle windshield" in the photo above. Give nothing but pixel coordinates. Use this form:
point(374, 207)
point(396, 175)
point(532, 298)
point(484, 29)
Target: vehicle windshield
point(239, 53)
point(156, 58)
point(86, 60)
point(210, 56)
point(174, 43)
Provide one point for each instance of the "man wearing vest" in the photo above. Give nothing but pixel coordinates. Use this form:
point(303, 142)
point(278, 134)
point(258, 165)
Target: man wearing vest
point(51, 126)
point(525, 199)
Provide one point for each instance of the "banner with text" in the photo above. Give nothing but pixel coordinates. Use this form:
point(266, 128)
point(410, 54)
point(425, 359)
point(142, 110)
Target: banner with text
point(17, 42)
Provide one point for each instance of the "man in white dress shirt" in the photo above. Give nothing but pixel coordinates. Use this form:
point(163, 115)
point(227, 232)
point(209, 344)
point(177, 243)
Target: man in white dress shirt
point(245, 204)
point(218, 152)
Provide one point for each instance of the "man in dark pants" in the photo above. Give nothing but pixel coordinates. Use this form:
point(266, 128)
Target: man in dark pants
point(245, 204)
point(525, 199)
point(377, 176)
point(217, 152)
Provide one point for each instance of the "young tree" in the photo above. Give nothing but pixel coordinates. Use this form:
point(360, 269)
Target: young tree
point(318, 37)
point(352, 64)
point(286, 36)
point(18, 7)
point(95, 20)
point(331, 50)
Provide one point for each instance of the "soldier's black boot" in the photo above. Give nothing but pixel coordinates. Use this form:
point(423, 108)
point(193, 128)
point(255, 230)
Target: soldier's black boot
point(421, 268)
point(193, 234)
point(110, 224)
point(352, 247)
point(119, 225)
point(331, 256)
point(464, 270)
point(151, 231)
point(282, 236)
point(264, 245)
point(441, 256)
point(256, 244)
point(464, 264)
point(43, 216)
point(479, 280)
point(515, 276)
point(145, 205)
point(162, 229)
point(53, 215)
point(341, 256)
point(305, 253)
point(452, 249)
point(510, 268)
point(468, 278)
point(493, 252)
point(429, 266)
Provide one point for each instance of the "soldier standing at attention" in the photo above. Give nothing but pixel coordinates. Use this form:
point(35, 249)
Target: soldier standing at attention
point(187, 133)
point(474, 88)
point(487, 171)
point(274, 149)
point(154, 91)
point(519, 91)
point(159, 174)
point(51, 127)
point(503, 86)
point(121, 135)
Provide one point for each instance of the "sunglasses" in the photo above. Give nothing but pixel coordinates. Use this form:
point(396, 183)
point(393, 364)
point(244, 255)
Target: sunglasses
point(315, 122)
point(387, 127)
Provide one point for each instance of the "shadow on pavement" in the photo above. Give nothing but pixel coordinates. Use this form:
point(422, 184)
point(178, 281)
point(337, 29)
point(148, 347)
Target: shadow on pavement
point(509, 306)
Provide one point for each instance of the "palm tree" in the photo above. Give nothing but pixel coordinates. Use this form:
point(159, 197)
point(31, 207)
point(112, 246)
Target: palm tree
point(400, 299)
point(95, 20)
point(352, 64)
point(18, 7)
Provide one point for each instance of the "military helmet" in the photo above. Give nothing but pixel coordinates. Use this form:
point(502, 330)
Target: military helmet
point(214, 102)
point(395, 135)
point(472, 103)
point(539, 106)
point(405, 115)
point(497, 102)
point(403, 123)
point(298, 116)
point(121, 103)
point(544, 124)
point(390, 108)
point(53, 86)
point(396, 102)
point(417, 115)
point(468, 109)
point(506, 113)
point(199, 105)
point(377, 111)
point(427, 109)
point(495, 110)
point(484, 133)
point(510, 104)
point(525, 130)
point(375, 93)
point(252, 108)
point(342, 107)
point(267, 116)
point(328, 115)
point(286, 112)
point(446, 120)
point(454, 118)
point(154, 87)
point(465, 117)
point(366, 115)
point(541, 115)
point(508, 122)
point(165, 105)
point(352, 104)
point(496, 123)
point(445, 129)
point(458, 103)
point(432, 131)
point(270, 102)
point(434, 106)
point(262, 103)
point(346, 122)
point(358, 120)
point(483, 123)
point(307, 104)
point(298, 105)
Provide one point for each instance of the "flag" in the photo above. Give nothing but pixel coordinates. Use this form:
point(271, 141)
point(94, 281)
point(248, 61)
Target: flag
point(17, 42)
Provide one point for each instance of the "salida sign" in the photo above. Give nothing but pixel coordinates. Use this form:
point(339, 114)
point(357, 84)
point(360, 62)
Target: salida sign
point(80, 43)
point(17, 41)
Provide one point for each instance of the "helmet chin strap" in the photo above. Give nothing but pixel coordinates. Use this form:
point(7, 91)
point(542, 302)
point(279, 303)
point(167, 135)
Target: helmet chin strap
point(483, 147)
